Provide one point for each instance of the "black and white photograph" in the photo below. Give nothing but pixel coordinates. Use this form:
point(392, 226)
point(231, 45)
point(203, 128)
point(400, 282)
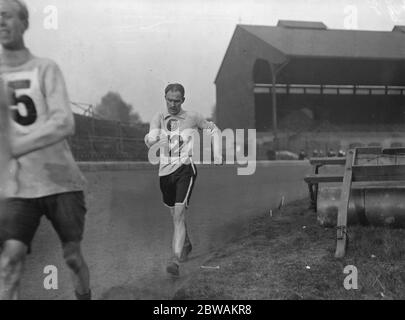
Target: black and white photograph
point(202, 150)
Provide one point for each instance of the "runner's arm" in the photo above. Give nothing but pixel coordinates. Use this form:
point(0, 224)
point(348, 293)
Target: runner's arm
point(60, 122)
point(154, 132)
point(214, 132)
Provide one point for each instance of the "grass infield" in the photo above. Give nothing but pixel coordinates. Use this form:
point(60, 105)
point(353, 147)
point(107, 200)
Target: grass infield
point(290, 256)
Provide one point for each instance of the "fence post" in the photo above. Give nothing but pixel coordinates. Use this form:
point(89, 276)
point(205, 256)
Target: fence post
point(120, 143)
point(91, 135)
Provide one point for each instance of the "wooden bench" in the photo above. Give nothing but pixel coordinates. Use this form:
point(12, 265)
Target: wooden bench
point(367, 174)
point(314, 179)
point(353, 173)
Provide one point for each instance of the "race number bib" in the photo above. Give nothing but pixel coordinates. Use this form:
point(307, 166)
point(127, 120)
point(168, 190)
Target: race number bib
point(179, 140)
point(175, 141)
point(27, 102)
point(175, 144)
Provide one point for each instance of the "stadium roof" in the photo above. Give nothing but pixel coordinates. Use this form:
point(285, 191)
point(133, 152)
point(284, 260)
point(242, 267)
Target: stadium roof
point(312, 53)
point(399, 28)
point(312, 39)
point(301, 24)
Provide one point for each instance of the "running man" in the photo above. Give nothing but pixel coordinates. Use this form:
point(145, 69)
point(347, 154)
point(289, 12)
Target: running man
point(45, 180)
point(173, 130)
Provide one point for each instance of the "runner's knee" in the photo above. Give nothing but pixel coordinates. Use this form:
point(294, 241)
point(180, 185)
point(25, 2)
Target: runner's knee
point(73, 257)
point(12, 258)
point(179, 212)
point(179, 208)
point(10, 263)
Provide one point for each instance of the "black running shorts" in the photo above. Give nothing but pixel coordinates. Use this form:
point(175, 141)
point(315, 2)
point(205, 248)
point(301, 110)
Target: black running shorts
point(177, 187)
point(21, 217)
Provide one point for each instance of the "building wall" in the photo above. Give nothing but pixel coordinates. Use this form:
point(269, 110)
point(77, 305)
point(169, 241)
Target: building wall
point(235, 85)
point(235, 106)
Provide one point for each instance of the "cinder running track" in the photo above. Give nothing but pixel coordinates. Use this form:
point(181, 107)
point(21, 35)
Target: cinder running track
point(128, 230)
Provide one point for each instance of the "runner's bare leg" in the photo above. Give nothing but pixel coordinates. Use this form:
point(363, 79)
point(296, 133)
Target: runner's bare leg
point(179, 234)
point(79, 270)
point(12, 260)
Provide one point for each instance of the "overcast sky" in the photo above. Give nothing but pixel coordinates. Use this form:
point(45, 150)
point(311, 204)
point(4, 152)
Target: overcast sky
point(137, 47)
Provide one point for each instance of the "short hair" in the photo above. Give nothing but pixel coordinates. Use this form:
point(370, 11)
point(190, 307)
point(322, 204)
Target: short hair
point(23, 12)
point(175, 87)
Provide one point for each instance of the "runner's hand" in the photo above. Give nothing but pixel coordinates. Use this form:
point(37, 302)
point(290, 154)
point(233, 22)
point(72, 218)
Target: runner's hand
point(162, 139)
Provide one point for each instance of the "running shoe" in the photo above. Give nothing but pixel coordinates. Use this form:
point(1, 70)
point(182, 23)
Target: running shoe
point(173, 268)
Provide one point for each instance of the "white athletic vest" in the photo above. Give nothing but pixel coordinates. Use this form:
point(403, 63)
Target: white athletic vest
point(37, 89)
point(181, 130)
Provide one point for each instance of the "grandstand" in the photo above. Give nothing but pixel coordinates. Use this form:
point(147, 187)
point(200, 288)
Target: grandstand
point(312, 87)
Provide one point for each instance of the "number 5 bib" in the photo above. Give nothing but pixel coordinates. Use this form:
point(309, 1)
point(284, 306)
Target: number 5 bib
point(28, 106)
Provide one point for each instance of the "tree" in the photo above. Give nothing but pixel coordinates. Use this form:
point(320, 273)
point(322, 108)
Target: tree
point(135, 118)
point(113, 107)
